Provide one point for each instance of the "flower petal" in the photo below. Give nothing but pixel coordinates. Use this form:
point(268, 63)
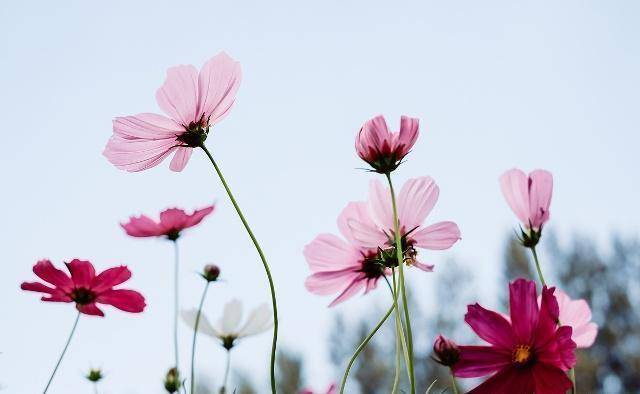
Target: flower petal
point(55, 295)
point(231, 317)
point(197, 216)
point(476, 361)
point(180, 159)
point(509, 380)
point(355, 211)
point(126, 300)
point(218, 84)
point(204, 326)
point(45, 270)
point(329, 282)
point(490, 326)
point(352, 289)
point(142, 226)
point(82, 272)
point(137, 155)
point(259, 321)
point(380, 206)
point(540, 197)
point(178, 96)
point(110, 278)
point(329, 252)
point(408, 134)
point(416, 200)
point(550, 380)
point(90, 309)
point(146, 126)
point(559, 351)
point(515, 188)
point(438, 236)
point(547, 317)
point(172, 219)
point(523, 307)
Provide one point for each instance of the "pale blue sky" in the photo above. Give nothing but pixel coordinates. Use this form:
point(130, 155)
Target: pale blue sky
point(497, 84)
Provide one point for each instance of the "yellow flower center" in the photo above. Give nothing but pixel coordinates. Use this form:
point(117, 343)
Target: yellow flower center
point(522, 354)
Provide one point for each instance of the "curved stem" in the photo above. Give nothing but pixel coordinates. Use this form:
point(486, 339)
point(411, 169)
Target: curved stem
point(403, 293)
point(195, 335)
point(535, 258)
point(66, 346)
point(264, 263)
point(223, 389)
point(176, 300)
point(362, 346)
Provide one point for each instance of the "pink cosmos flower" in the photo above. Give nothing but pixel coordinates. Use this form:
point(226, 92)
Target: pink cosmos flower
point(193, 102)
point(529, 196)
point(415, 201)
point(577, 315)
point(382, 149)
point(85, 288)
point(332, 389)
point(343, 267)
point(526, 355)
point(172, 222)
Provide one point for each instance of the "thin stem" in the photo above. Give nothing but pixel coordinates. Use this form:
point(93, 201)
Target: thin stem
point(453, 383)
point(223, 389)
point(362, 346)
point(572, 375)
point(403, 293)
point(264, 263)
point(66, 346)
point(176, 300)
point(399, 323)
point(535, 258)
point(195, 335)
point(396, 377)
point(95, 388)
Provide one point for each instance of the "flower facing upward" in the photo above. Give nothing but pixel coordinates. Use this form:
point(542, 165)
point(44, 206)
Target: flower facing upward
point(343, 267)
point(446, 351)
point(193, 101)
point(529, 197)
point(85, 288)
point(172, 222)
point(415, 201)
point(228, 328)
point(529, 354)
point(382, 149)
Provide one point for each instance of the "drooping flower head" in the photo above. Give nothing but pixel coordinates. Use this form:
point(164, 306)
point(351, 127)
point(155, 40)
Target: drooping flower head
point(446, 351)
point(172, 222)
point(344, 267)
point(529, 197)
point(228, 329)
point(332, 389)
point(85, 288)
point(415, 201)
point(528, 354)
point(194, 101)
point(382, 149)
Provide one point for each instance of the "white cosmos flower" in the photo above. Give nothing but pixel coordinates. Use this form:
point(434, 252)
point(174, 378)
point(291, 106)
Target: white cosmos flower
point(228, 328)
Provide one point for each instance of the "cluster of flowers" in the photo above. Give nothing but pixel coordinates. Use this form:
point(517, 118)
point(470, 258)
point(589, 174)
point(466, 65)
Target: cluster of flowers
point(532, 350)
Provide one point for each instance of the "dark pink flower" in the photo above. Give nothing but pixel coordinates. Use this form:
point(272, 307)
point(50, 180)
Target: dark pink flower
point(415, 201)
point(85, 288)
point(382, 149)
point(332, 389)
point(529, 196)
point(172, 222)
point(446, 351)
point(529, 354)
point(193, 101)
point(340, 266)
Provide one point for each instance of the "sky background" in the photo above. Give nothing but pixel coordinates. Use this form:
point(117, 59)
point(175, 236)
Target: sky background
point(496, 84)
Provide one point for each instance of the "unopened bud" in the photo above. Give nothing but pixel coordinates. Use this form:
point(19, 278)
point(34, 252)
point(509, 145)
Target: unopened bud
point(172, 381)
point(211, 272)
point(446, 351)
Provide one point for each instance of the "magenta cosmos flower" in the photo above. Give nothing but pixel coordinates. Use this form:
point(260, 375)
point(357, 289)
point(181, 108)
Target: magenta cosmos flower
point(172, 222)
point(415, 201)
point(383, 149)
point(193, 102)
point(343, 267)
point(85, 288)
point(529, 354)
point(529, 196)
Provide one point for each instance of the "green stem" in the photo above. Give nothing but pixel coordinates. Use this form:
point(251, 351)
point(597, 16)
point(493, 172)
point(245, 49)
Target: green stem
point(176, 300)
point(399, 322)
point(399, 332)
point(362, 346)
point(264, 263)
point(453, 383)
point(195, 335)
point(403, 293)
point(572, 375)
point(66, 346)
point(223, 389)
point(535, 258)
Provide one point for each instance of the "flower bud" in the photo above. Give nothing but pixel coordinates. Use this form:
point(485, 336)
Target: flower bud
point(94, 375)
point(172, 381)
point(211, 272)
point(446, 351)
